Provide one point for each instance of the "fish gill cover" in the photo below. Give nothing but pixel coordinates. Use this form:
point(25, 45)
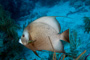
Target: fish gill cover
point(26, 11)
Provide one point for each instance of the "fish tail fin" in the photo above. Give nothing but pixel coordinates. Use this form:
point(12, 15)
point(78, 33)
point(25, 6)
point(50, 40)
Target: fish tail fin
point(65, 36)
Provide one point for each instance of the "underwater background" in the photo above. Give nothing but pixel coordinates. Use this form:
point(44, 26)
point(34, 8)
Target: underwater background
point(15, 15)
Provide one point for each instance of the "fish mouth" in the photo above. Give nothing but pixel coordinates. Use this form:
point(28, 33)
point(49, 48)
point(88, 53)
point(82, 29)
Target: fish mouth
point(20, 41)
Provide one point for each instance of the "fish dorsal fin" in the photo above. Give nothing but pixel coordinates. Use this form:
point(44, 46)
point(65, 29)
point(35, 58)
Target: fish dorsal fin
point(50, 20)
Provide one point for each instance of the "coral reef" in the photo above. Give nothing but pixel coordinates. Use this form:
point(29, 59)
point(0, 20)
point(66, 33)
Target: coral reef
point(8, 29)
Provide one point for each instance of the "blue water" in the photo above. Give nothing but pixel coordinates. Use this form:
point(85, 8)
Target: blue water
point(76, 18)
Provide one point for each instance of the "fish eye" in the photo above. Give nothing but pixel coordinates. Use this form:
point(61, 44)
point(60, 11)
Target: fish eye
point(23, 35)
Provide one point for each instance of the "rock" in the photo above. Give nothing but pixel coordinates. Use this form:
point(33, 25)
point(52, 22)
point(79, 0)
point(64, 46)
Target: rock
point(87, 3)
point(78, 4)
point(81, 10)
point(49, 3)
point(72, 2)
point(65, 0)
point(18, 8)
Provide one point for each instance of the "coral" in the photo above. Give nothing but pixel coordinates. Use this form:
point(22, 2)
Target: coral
point(11, 47)
point(87, 24)
point(63, 57)
point(1, 41)
point(50, 56)
point(74, 44)
point(80, 55)
point(60, 57)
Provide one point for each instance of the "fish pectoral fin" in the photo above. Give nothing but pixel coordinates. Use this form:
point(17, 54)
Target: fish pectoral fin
point(31, 41)
point(36, 54)
point(65, 36)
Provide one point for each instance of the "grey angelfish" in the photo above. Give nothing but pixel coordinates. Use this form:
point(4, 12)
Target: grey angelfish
point(35, 35)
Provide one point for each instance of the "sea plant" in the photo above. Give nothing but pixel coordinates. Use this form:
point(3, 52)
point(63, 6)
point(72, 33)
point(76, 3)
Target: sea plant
point(80, 55)
point(74, 44)
point(9, 27)
point(50, 56)
point(87, 24)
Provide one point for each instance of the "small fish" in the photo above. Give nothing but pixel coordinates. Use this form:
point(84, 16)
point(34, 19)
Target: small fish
point(35, 35)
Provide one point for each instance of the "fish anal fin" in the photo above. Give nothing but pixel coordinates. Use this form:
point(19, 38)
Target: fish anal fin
point(65, 36)
point(39, 50)
point(36, 54)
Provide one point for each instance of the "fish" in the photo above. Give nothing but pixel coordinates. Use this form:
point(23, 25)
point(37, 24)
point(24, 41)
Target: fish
point(38, 34)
